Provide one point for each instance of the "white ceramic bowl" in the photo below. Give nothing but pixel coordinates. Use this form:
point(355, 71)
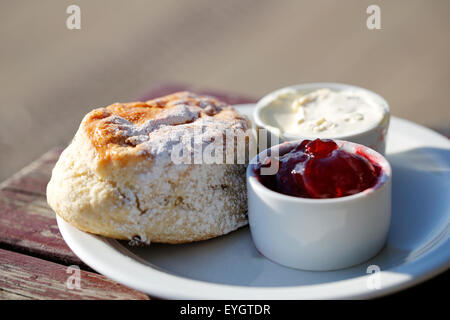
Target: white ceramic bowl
point(373, 137)
point(320, 234)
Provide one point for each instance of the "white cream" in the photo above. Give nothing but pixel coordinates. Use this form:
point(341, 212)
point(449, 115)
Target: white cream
point(323, 113)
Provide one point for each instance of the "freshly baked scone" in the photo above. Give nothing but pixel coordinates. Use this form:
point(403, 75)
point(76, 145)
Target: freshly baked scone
point(120, 176)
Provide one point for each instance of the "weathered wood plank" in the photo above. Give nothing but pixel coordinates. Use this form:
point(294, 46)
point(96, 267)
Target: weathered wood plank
point(34, 177)
point(7, 295)
point(25, 277)
point(27, 223)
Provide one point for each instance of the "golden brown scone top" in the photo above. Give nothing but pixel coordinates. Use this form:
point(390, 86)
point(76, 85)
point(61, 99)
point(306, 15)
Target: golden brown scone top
point(119, 131)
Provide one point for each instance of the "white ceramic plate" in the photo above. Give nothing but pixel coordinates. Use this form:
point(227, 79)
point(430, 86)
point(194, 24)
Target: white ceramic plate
point(229, 267)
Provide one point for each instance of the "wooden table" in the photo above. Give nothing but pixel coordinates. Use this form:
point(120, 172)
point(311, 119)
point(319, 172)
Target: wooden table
point(34, 258)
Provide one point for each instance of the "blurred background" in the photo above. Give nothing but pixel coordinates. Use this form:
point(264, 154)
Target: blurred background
point(51, 76)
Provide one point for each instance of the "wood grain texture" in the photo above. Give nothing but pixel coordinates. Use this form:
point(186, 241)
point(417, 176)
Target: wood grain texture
point(27, 224)
point(25, 277)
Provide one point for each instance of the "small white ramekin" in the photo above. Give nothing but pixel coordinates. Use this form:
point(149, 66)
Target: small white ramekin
point(320, 234)
point(374, 137)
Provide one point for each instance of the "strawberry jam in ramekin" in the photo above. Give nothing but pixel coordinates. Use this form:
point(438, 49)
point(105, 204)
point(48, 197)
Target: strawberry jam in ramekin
point(320, 169)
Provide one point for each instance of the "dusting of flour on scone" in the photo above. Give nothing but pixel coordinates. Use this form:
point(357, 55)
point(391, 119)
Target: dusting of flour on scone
point(117, 178)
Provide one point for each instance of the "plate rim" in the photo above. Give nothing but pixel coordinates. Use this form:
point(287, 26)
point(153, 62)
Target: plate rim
point(418, 270)
point(167, 285)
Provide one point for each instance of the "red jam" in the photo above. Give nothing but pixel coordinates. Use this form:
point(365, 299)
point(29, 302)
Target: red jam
point(320, 169)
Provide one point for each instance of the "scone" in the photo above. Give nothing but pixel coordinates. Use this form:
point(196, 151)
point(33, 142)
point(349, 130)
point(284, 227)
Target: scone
point(133, 172)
